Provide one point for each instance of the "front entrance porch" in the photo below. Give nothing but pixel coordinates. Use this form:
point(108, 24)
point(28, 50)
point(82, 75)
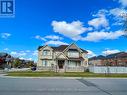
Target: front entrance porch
point(61, 64)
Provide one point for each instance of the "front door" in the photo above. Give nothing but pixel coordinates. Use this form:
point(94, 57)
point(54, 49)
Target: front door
point(60, 64)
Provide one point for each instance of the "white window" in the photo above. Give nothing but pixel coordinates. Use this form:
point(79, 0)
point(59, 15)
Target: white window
point(44, 62)
point(74, 54)
point(46, 52)
point(74, 64)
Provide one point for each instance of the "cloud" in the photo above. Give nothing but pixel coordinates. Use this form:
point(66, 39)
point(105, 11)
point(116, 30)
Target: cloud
point(119, 16)
point(101, 13)
point(35, 53)
point(118, 12)
point(71, 30)
point(6, 49)
point(97, 36)
point(22, 58)
point(123, 3)
point(18, 54)
point(28, 51)
point(67, 29)
point(5, 35)
point(53, 37)
point(40, 38)
point(25, 54)
point(91, 53)
point(52, 42)
point(99, 22)
point(31, 59)
point(107, 52)
point(97, 29)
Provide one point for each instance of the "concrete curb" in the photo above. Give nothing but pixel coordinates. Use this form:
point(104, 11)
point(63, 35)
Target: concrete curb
point(4, 76)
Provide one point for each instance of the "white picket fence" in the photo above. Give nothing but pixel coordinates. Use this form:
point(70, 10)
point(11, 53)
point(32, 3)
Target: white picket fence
point(107, 69)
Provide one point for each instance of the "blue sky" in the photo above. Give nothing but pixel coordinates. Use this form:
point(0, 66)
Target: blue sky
point(95, 25)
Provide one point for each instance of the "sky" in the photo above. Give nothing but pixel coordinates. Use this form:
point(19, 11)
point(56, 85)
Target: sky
point(94, 25)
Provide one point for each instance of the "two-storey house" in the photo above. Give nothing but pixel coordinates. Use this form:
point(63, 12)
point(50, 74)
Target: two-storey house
point(65, 58)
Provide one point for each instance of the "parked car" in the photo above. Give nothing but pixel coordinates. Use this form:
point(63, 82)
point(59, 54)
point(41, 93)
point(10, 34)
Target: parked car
point(33, 68)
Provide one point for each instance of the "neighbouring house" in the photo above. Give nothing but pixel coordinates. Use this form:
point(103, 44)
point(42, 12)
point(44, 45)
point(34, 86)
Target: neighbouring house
point(116, 59)
point(64, 58)
point(122, 59)
point(97, 60)
point(8, 61)
point(3, 62)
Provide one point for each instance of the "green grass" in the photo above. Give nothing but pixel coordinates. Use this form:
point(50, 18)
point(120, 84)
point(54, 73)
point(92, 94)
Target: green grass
point(67, 74)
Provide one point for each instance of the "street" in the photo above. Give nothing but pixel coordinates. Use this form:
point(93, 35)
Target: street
point(61, 86)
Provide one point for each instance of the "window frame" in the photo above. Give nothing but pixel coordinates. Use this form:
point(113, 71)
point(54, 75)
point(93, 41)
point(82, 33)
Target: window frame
point(46, 53)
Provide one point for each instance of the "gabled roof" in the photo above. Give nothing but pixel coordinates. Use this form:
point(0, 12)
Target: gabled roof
point(114, 55)
point(101, 57)
point(61, 48)
point(84, 50)
point(40, 47)
point(2, 54)
point(92, 58)
point(61, 56)
point(122, 55)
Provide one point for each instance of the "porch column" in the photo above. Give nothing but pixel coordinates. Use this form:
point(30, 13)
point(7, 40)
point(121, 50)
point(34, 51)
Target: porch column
point(65, 65)
point(56, 65)
point(81, 63)
point(87, 64)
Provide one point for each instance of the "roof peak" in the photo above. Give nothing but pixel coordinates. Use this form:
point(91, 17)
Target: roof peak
point(60, 47)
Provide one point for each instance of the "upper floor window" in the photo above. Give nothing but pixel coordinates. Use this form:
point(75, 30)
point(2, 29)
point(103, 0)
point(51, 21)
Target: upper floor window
point(73, 53)
point(46, 52)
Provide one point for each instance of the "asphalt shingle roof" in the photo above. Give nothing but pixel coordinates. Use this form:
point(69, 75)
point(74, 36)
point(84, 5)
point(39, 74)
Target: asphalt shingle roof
point(61, 48)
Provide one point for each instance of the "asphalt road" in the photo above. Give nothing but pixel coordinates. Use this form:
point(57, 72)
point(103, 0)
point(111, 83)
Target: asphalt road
point(36, 86)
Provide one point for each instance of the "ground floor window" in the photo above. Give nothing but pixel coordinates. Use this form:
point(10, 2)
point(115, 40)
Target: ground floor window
point(74, 63)
point(44, 62)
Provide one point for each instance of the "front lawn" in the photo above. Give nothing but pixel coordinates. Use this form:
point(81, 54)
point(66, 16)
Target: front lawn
point(67, 74)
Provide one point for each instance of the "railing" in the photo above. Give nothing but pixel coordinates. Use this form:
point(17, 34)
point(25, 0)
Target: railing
point(74, 69)
point(46, 68)
point(65, 69)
